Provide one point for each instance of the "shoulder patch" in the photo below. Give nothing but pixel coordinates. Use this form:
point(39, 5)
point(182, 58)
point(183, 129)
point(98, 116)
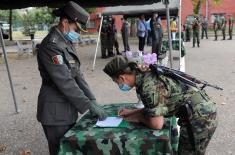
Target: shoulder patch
point(57, 60)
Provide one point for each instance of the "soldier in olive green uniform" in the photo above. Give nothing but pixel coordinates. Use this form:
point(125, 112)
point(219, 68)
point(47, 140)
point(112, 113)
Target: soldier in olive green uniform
point(104, 40)
point(230, 27)
point(223, 27)
point(164, 97)
point(64, 91)
point(204, 28)
point(196, 34)
point(216, 26)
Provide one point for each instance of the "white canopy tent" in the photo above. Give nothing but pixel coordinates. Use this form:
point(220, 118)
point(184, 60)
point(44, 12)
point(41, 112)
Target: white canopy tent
point(160, 8)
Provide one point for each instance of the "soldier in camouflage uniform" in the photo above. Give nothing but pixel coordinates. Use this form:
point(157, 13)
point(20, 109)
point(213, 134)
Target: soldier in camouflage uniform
point(204, 28)
point(216, 26)
point(230, 27)
point(223, 27)
point(164, 97)
point(196, 28)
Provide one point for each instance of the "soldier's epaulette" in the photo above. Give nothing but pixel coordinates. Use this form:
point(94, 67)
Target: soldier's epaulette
point(53, 39)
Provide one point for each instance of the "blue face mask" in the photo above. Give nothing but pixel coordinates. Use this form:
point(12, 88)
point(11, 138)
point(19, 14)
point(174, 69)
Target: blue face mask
point(124, 87)
point(72, 36)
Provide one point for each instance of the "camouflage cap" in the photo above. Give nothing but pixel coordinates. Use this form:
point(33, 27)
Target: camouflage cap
point(117, 65)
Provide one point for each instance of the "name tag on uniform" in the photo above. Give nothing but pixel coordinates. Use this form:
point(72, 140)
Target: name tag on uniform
point(72, 61)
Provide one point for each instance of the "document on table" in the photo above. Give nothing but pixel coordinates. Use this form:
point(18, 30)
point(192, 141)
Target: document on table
point(110, 122)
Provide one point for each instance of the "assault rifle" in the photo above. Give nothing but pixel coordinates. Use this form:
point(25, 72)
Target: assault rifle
point(181, 76)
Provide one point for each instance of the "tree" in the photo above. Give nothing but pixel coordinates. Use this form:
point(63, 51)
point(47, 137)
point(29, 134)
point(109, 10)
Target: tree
point(43, 16)
point(10, 24)
point(29, 22)
point(36, 16)
point(90, 10)
point(12, 17)
point(198, 3)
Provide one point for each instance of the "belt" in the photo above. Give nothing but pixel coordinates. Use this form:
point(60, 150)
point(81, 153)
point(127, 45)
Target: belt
point(48, 83)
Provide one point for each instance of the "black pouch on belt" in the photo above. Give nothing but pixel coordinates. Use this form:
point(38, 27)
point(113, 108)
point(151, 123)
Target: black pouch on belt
point(185, 114)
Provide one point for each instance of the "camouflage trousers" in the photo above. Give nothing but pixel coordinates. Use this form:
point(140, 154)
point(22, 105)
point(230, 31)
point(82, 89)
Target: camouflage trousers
point(203, 129)
point(224, 33)
point(230, 32)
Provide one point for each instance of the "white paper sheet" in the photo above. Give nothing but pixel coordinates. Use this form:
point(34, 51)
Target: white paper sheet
point(109, 122)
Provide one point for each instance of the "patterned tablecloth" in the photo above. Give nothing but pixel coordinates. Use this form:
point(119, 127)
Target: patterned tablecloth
point(129, 139)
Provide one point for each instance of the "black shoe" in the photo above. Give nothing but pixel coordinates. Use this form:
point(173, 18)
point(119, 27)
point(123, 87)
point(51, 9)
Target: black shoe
point(198, 45)
point(110, 55)
point(104, 57)
point(229, 38)
point(193, 46)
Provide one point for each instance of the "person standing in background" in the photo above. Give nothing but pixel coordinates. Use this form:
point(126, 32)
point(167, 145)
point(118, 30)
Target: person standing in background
point(149, 37)
point(216, 27)
point(230, 27)
point(173, 28)
point(204, 28)
point(196, 28)
point(125, 35)
point(187, 29)
point(103, 40)
point(115, 39)
point(142, 32)
point(157, 34)
point(110, 37)
point(223, 27)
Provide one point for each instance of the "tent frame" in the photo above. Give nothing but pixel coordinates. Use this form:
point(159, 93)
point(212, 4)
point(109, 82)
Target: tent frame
point(166, 2)
point(8, 72)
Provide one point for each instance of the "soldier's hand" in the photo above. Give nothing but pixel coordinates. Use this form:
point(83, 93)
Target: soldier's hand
point(124, 112)
point(98, 111)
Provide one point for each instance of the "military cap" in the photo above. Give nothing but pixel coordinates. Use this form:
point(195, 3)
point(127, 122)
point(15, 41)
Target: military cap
point(117, 65)
point(73, 12)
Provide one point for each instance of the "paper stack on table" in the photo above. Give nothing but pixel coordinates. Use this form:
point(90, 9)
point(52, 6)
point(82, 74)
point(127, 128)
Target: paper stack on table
point(110, 122)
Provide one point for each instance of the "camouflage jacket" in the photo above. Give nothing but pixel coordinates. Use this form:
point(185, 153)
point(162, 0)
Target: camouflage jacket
point(223, 23)
point(216, 24)
point(162, 96)
point(230, 23)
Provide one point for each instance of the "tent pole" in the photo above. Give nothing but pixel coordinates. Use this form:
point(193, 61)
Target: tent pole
point(166, 2)
point(97, 45)
point(8, 71)
point(180, 40)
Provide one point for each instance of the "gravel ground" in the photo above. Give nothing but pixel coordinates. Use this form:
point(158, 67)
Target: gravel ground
point(213, 62)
